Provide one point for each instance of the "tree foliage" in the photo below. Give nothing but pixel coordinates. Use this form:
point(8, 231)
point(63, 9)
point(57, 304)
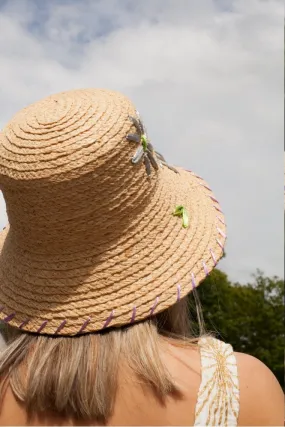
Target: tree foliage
point(250, 316)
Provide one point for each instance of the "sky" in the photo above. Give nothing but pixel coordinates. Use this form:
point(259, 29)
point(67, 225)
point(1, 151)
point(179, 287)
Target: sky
point(207, 76)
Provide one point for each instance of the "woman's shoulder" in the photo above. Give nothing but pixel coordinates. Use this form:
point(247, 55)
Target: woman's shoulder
point(256, 392)
point(261, 397)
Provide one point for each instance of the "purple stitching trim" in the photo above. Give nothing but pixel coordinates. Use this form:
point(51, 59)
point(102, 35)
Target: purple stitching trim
point(221, 233)
point(220, 244)
point(84, 325)
point(60, 326)
point(109, 319)
point(221, 220)
point(214, 199)
point(213, 256)
point(218, 209)
point(178, 292)
point(205, 268)
point(8, 318)
point(154, 306)
point(24, 323)
point(134, 314)
point(206, 186)
point(42, 326)
point(193, 281)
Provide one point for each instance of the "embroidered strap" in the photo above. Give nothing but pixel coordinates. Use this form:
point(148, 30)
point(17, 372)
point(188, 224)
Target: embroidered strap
point(218, 397)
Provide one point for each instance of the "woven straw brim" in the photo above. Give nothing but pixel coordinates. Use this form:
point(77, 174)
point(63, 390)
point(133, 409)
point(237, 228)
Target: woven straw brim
point(154, 263)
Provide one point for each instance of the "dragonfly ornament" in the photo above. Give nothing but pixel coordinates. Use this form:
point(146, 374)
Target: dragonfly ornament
point(145, 152)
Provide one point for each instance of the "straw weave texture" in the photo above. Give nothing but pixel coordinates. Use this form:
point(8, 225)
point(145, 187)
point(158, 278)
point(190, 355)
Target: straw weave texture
point(91, 240)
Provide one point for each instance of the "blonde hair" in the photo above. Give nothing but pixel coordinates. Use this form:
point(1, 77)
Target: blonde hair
point(76, 377)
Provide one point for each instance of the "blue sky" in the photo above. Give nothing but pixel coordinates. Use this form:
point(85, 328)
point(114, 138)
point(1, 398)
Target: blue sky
point(206, 75)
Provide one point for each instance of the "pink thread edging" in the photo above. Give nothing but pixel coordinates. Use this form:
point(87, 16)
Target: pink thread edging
point(218, 209)
point(214, 199)
point(221, 220)
point(213, 256)
point(43, 325)
point(84, 325)
point(221, 233)
point(61, 326)
point(7, 319)
point(134, 314)
point(24, 323)
point(220, 244)
point(109, 319)
point(154, 306)
point(205, 186)
point(205, 268)
point(178, 292)
point(193, 281)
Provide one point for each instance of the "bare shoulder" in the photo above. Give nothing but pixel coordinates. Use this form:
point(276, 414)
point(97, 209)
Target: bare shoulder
point(261, 397)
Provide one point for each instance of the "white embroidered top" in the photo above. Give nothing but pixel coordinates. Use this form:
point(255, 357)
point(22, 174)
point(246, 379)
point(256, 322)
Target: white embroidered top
point(218, 397)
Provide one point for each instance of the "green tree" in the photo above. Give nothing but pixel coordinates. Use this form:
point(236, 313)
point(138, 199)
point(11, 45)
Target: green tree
point(250, 316)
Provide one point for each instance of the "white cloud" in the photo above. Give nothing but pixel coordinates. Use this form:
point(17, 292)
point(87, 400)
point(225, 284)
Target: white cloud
point(206, 75)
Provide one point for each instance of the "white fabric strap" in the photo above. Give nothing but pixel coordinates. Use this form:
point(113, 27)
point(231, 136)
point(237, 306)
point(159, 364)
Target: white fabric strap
point(218, 397)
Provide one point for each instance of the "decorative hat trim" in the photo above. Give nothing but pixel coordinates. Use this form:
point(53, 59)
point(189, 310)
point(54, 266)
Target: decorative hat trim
point(145, 152)
point(105, 257)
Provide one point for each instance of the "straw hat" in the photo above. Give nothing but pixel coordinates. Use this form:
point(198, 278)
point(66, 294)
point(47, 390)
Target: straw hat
point(102, 231)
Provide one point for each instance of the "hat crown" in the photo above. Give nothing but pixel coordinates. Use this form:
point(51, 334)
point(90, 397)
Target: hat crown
point(103, 232)
point(66, 171)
